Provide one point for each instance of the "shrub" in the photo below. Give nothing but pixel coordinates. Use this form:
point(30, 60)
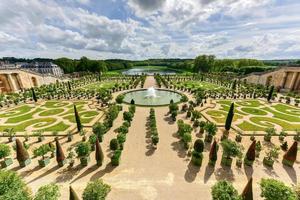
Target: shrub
point(96, 190)
point(199, 145)
point(230, 148)
point(83, 149)
point(121, 137)
point(4, 151)
point(224, 190)
point(273, 189)
point(127, 116)
point(49, 192)
point(114, 144)
point(115, 159)
point(12, 186)
point(120, 99)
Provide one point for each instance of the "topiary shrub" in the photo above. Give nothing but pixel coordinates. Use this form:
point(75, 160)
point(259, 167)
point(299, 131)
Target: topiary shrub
point(224, 190)
point(96, 190)
point(114, 144)
point(115, 159)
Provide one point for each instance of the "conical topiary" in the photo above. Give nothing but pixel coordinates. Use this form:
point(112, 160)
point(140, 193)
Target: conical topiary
point(290, 156)
point(33, 95)
point(77, 118)
point(22, 154)
point(248, 192)
point(250, 155)
point(229, 117)
point(213, 153)
point(73, 195)
point(99, 153)
point(60, 156)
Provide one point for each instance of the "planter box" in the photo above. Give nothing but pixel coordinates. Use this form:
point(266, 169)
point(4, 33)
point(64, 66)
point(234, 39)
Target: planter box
point(287, 163)
point(70, 138)
point(43, 163)
point(248, 162)
point(226, 161)
point(208, 138)
point(268, 162)
point(62, 163)
point(239, 163)
point(25, 163)
point(6, 162)
point(197, 161)
point(84, 161)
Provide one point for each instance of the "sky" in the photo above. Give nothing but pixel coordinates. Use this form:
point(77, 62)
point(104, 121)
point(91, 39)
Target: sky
point(142, 29)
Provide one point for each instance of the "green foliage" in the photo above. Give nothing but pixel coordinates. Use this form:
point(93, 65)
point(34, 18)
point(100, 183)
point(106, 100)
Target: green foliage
point(211, 128)
point(77, 118)
point(114, 144)
point(96, 190)
point(204, 63)
point(224, 190)
point(42, 150)
point(272, 189)
point(83, 149)
point(115, 159)
point(120, 98)
point(48, 192)
point(229, 117)
point(127, 116)
point(99, 129)
point(12, 187)
point(4, 150)
point(230, 148)
point(199, 145)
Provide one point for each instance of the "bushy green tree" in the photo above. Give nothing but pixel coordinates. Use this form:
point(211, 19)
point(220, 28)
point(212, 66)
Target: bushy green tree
point(96, 190)
point(272, 189)
point(48, 192)
point(224, 190)
point(12, 187)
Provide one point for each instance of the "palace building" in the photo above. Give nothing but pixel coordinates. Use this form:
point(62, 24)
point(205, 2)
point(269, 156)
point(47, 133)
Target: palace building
point(284, 79)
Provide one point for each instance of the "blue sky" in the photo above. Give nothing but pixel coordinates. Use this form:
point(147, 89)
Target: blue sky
point(141, 29)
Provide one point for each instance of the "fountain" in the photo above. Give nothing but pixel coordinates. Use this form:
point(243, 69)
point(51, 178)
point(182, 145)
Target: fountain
point(151, 93)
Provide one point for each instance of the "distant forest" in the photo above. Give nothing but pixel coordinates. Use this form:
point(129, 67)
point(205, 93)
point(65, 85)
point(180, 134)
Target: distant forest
point(205, 63)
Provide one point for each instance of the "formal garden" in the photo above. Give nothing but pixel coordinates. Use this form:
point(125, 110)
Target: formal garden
point(84, 139)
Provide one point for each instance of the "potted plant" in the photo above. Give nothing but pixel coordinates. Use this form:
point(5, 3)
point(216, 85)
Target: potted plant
point(5, 152)
point(258, 149)
point(22, 154)
point(269, 133)
point(71, 156)
point(197, 155)
point(70, 136)
point(271, 154)
point(39, 135)
point(51, 149)
point(115, 159)
point(42, 151)
point(60, 156)
point(83, 150)
point(211, 130)
point(10, 133)
point(99, 129)
point(239, 160)
point(282, 135)
point(92, 141)
point(250, 155)
point(213, 153)
point(230, 149)
point(238, 137)
point(202, 125)
point(83, 134)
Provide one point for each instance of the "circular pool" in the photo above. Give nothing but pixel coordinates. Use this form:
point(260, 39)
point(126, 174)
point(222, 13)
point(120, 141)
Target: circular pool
point(152, 97)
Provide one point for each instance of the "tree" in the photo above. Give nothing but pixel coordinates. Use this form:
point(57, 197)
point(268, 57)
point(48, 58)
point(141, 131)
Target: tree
point(290, 156)
point(213, 153)
point(250, 155)
point(96, 190)
point(230, 149)
point(22, 154)
point(229, 117)
point(60, 156)
point(33, 95)
point(204, 63)
point(73, 195)
point(12, 186)
point(270, 95)
point(248, 191)
point(224, 190)
point(49, 192)
point(99, 153)
point(211, 130)
point(99, 129)
point(4, 151)
point(272, 189)
point(77, 118)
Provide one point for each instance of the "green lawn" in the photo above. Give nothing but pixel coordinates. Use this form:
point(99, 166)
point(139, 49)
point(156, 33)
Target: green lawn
point(16, 111)
point(21, 118)
point(253, 111)
point(51, 112)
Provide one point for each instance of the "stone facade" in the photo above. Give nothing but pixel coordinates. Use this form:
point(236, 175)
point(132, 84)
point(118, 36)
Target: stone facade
point(14, 80)
point(284, 79)
point(44, 68)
